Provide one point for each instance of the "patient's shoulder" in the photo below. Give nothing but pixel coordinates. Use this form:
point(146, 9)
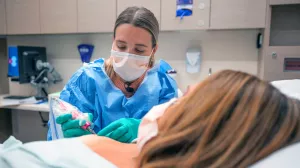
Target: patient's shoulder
point(118, 153)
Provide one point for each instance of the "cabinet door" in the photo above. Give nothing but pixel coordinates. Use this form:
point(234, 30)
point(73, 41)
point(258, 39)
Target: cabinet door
point(2, 17)
point(230, 14)
point(58, 16)
point(198, 20)
point(152, 5)
point(284, 2)
point(274, 67)
point(96, 15)
point(22, 16)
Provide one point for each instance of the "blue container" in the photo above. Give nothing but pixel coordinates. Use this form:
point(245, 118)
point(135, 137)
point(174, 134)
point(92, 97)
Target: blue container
point(86, 52)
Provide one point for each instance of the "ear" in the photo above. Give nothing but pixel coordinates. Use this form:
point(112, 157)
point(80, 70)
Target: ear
point(155, 49)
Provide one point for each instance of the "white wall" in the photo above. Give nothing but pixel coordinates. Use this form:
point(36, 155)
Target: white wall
point(234, 49)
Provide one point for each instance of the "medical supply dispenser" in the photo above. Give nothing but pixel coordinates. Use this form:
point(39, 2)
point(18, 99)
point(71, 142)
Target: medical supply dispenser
point(184, 8)
point(193, 60)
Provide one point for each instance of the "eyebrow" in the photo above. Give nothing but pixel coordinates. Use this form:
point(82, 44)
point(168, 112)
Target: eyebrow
point(140, 45)
point(121, 41)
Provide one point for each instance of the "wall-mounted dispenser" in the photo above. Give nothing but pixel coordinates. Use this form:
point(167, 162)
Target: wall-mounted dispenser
point(193, 60)
point(184, 8)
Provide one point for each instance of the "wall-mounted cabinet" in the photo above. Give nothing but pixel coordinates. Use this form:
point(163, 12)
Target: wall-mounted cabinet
point(96, 15)
point(284, 2)
point(58, 16)
point(281, 53)
point(232, 14)
point(152, 5)
point(198, 20)
point(22, 16)
point(89, 16)
point(2, 17)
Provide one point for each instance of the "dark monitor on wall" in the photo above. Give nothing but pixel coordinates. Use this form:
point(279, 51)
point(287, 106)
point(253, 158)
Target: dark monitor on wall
point(22, 62)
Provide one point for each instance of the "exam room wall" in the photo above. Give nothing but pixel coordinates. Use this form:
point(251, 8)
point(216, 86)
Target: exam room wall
point(230, 49)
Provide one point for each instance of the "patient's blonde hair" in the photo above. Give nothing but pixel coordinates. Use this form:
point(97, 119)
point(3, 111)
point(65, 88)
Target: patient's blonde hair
point(231, 120)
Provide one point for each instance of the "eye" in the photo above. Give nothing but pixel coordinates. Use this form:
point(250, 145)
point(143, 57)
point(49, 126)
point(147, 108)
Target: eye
point(139, 51)
point(122, 47)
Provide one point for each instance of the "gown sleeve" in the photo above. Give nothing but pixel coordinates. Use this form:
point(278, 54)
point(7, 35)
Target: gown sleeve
point(80, 92)
point(168, 84)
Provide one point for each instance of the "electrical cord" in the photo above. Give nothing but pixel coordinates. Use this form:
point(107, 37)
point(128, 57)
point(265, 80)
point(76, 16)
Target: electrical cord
point(45, 92)
point(44, 121)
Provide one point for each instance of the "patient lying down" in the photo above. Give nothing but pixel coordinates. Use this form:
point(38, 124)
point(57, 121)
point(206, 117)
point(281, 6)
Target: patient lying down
point(230, 120)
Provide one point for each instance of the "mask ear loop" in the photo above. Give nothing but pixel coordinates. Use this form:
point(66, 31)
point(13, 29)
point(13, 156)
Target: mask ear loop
point(112, 49)
point(151, 59)
point(152, 56)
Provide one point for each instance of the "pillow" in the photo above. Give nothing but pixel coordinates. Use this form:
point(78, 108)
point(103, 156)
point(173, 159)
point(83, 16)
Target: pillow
point(291, 88)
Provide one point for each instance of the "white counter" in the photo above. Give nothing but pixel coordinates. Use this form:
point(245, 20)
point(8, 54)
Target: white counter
point(11, 104)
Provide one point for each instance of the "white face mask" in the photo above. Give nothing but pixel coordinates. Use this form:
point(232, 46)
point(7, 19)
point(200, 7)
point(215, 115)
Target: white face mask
point(148, 127)
point(129, 66)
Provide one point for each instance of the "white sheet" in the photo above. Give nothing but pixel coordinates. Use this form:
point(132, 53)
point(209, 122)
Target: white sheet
point(64, 153)
point(284, 158)
point(290, 88)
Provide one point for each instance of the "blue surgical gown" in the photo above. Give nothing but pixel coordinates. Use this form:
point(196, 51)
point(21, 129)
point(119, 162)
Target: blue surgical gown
point(92, 91)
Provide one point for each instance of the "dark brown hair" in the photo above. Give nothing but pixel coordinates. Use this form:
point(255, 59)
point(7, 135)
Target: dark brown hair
point(231, 120)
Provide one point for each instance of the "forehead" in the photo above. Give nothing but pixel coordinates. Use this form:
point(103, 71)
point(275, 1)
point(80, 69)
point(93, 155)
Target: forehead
point(133, 34)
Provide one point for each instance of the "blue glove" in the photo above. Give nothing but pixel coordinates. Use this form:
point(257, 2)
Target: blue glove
point(72, 128)
point(123, 130)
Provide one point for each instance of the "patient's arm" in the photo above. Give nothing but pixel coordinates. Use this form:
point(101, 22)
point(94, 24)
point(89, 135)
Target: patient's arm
point(120, 154)
point(64, 153)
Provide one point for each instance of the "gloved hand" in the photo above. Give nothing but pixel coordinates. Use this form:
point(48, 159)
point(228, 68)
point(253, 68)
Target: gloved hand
point(123, 130)
point(72, 127)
